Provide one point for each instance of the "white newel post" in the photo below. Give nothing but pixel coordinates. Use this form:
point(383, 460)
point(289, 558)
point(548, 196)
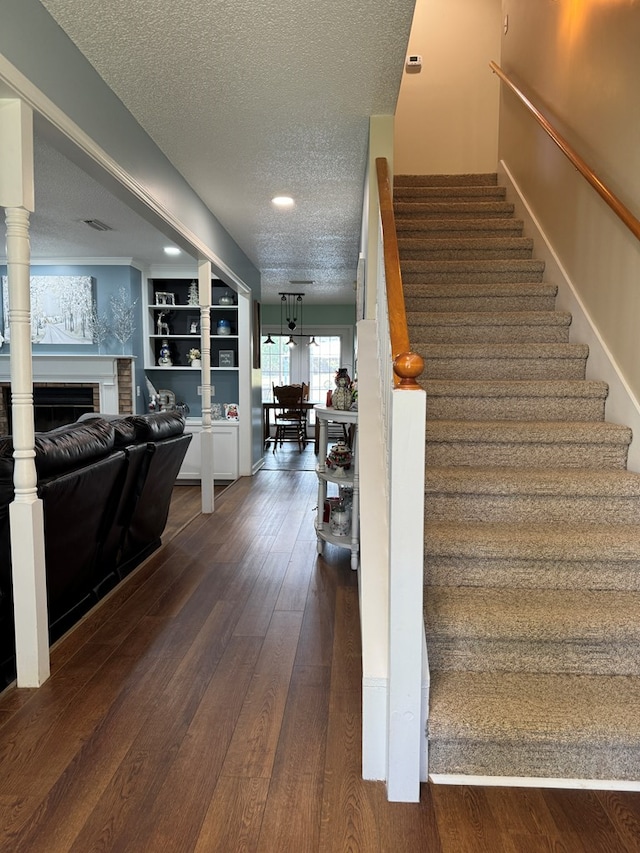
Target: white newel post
point(206, 436)
point(25, 512)
point(406, 538)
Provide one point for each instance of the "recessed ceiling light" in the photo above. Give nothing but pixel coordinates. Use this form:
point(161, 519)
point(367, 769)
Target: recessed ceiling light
point(282, 201)
point(171, 250)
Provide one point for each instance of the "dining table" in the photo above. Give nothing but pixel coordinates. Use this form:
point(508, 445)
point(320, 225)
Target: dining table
point(267, 407)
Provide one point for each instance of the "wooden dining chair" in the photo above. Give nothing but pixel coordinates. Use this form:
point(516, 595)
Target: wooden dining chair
point(289, 415)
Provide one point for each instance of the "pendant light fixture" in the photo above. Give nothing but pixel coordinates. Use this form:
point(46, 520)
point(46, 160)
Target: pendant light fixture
point(290, 307)
point(290, 310)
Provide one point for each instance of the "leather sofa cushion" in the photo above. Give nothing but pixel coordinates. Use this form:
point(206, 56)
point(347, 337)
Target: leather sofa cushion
point(65, 448)
point(157, 425)
point(125, 431)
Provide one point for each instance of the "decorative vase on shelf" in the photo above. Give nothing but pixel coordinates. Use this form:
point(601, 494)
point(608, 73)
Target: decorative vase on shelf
point(196, 363)
point(223, 327)
point(341, 397)
point(340, 520)
point(165, 355)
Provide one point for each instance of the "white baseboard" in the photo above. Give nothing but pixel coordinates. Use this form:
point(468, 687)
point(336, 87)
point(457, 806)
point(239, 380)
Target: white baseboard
point(374, 724)
point(622, 407)
point(534, 782)
point(424, 717)
point(374, 728)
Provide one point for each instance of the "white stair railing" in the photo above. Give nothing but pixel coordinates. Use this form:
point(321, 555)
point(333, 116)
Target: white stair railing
point(390, 376)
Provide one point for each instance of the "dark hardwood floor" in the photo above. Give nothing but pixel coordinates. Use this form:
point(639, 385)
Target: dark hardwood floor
point(213, 703)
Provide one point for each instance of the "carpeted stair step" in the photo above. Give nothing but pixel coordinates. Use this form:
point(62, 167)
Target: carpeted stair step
point(526, 400)
point(492, 296)
point(450, 194)
point(472, 272)
point(477, 209)
point(439, 228)
point(527, 444)
point(460, 180)
point(523, 724)
point(488, 326)
point(507, 495)
point(532, 542)
point(587, 632)
point(463, 248)
point(527, 555)
point(504, 361)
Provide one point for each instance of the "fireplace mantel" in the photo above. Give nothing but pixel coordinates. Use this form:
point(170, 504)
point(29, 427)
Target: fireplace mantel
point(69, 369)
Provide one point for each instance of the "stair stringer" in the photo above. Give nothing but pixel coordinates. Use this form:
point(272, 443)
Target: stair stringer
point(622, 407)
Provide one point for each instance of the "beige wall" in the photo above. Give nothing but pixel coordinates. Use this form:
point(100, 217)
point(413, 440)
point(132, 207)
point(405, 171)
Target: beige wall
point(447, 115)
point(580, 62)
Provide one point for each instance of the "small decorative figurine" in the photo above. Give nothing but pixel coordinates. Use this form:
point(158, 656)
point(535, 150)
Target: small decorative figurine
point(165, 354)
point(339, 459)
point(341, 397)
point(192, 298)
point(162, 325)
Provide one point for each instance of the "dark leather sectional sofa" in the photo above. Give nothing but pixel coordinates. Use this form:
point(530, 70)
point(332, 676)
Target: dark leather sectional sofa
point(106, 486)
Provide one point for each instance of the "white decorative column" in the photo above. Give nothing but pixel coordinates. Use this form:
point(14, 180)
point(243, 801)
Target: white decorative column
point(25, 513)
point(206, 436)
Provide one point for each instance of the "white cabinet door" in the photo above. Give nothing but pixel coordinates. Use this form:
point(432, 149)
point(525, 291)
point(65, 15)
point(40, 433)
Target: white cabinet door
point(225, 452)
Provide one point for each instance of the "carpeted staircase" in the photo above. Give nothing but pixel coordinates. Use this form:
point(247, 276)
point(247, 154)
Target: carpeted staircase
point(532, 545)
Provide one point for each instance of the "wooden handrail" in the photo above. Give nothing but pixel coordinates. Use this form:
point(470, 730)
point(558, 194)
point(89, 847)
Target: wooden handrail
point(407, 365)
point(623, 212)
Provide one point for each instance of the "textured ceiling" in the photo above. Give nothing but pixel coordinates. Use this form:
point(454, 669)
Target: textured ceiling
point(254, 99)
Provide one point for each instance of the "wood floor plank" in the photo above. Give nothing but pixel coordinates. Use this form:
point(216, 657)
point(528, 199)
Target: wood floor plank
point(465, 821)
point(346, 665)
point(293, 807)
point(349, 818)
point(252, 749)
point(292, 814)
point(295, 585)
point(521, 811)
point(315, 647)
point(172, 819)
point(405, 827)
point(581, 813)
point(279, 647)
point(235, 816)
point(256, 614)
point(303, 737)
point(623, 810)
point(141, 772)
point(84, 745)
